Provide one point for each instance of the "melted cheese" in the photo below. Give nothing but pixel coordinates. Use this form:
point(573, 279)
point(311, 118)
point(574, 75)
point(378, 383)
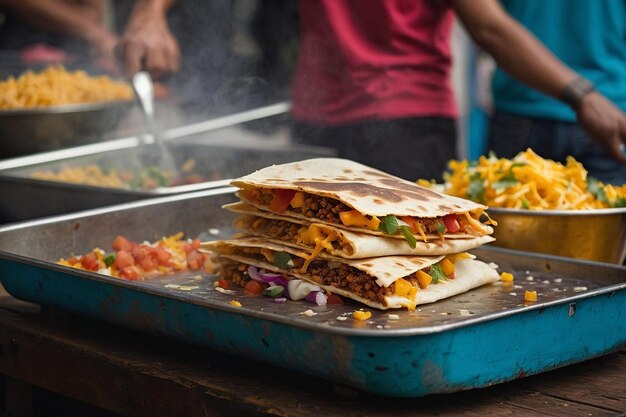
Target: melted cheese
point(354, 218)
point(478, 226)
point(421, 231)
point(298, 200)
point(314, 235)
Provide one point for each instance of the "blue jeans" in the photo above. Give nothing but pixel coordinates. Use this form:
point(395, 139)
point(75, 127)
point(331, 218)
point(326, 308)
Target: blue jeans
point(510, 134)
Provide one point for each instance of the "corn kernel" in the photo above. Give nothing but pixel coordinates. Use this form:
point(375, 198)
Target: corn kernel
point(424, 279)
point(530, 295)
point(361, 315)
point(506, 277)
point(234, 303)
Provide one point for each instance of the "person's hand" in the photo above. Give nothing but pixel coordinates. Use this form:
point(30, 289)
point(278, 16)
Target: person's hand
point(103, 44)
point(604, 122)
point(148, 44)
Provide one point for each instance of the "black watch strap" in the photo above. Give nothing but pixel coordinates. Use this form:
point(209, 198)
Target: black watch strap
point(573, 94)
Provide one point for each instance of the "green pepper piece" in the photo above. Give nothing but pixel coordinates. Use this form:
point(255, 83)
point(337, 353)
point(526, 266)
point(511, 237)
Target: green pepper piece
point(389, 225)
point(109, 259)
point(409, 236)
point(275, 291)
point(281, 260)
point(436, 271)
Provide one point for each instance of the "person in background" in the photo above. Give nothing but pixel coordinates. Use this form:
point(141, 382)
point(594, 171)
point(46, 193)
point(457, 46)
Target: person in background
point(54, 29)
point(373, 80)
point(589, 37)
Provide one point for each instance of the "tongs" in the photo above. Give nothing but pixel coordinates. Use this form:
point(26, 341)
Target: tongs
point(144, 89)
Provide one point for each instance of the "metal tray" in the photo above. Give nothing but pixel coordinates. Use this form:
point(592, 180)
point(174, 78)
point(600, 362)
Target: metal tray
point(24, 198)
point(483, 337)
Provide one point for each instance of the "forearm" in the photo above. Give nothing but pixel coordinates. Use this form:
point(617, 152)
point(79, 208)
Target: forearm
point(156, 7)
point(514, 48)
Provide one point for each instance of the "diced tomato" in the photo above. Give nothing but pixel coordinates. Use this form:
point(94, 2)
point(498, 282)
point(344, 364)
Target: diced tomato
point(222, 283)
point(411, 222)
point(141, 252)
point(194, 260)
point(281, 200)
point(129, 273)
point(121, 243)
point(72, 260)
point(123, 259)
point(162, 255)
point(90, 262)
point(147, 264)
point(195, 244)
point(253, 288)
point(451, 223)
point(334, 299)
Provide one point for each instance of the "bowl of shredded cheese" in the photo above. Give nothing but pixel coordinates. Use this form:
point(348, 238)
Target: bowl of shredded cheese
point(544, 206)
point(55, 108)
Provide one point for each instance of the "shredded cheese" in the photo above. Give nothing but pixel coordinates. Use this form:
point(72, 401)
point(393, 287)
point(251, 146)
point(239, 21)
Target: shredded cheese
point(314, 235)
point(531, 182)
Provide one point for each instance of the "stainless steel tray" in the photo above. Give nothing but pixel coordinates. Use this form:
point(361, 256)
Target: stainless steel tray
point(24, 198)
point(486, 336)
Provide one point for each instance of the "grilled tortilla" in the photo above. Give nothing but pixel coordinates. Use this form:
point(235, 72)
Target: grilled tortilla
point(316, 237)
point(353, 196)
point(383, 282)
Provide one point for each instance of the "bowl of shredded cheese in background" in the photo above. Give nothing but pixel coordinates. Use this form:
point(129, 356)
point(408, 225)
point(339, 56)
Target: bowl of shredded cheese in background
point(544, 206)
point(56, 108)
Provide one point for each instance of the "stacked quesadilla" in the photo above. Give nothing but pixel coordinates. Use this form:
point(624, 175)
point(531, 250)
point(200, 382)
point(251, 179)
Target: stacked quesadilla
point(354, 231)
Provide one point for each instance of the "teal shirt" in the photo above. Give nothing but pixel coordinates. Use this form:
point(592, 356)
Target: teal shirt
point(588, 35)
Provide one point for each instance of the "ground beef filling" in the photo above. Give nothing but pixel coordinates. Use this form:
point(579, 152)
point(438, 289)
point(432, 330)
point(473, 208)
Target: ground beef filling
point(273, 229)
point(343, 276)
point(277, 229)
point(328, 209)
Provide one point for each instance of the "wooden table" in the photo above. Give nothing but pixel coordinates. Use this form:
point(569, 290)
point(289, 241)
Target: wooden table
point(136, 374)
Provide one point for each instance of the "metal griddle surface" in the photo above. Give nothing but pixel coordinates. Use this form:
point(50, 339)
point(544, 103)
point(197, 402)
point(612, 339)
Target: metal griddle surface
point(556, 280)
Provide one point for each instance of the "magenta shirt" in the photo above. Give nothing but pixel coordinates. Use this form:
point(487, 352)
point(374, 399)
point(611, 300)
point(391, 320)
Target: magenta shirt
point(373, 60)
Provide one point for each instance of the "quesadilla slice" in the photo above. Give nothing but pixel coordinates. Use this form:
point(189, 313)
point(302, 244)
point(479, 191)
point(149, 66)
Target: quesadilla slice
point(317, 237)
point(353, 196)
point(383, 282)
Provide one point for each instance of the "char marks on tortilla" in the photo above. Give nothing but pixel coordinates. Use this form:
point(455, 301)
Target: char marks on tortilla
point(364, 191)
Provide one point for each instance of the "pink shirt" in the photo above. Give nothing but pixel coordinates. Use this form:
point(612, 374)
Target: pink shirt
point(373, 60)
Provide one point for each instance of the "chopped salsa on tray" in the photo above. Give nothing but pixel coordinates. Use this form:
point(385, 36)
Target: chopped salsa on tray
point(138, 261)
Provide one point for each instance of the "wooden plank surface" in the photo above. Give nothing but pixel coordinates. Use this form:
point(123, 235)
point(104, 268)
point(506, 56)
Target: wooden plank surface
point(133, 373)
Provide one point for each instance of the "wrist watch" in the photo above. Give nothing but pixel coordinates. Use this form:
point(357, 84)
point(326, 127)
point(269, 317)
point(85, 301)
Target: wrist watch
point(574, 92)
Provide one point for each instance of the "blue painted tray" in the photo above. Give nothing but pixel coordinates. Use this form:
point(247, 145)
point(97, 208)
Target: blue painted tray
point(480, 338)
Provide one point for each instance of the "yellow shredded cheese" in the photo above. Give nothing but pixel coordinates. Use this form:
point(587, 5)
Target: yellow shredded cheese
point(531, 182)
point(314, 235)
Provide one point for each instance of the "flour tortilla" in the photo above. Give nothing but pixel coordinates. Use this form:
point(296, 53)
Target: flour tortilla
point(354, 245)
point(469, 273)
point(367, 190)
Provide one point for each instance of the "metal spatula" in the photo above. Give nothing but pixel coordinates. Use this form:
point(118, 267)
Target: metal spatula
point(155, 149)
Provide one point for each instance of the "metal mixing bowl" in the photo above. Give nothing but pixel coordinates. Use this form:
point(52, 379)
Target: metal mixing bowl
point(41, 129)
point(598, 235)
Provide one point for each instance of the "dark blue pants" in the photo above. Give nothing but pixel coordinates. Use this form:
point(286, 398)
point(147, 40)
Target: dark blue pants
point(511, 134)
point(409, 148)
